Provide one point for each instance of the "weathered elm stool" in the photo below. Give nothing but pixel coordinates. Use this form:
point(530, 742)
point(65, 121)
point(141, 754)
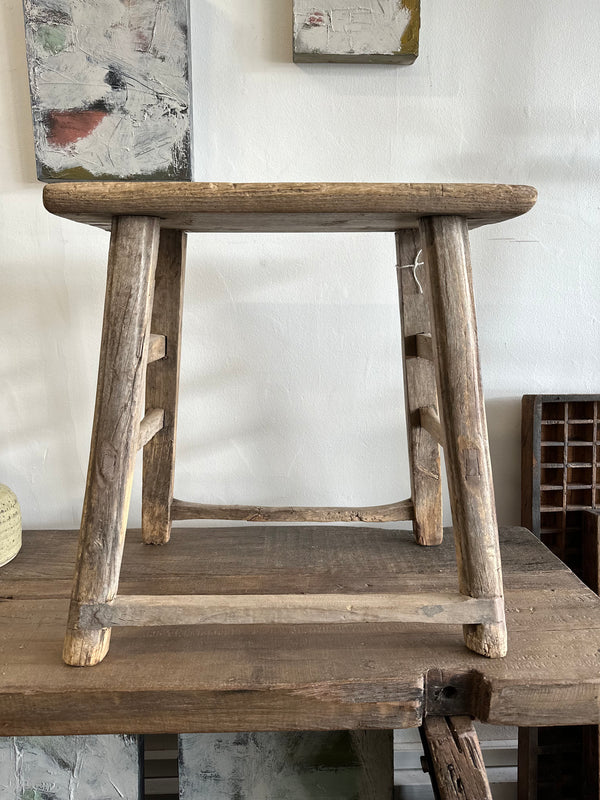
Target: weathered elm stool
point(148, 224)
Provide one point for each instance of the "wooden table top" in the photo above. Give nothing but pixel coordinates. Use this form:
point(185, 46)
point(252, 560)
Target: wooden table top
point(287, 207)
point(231, 678)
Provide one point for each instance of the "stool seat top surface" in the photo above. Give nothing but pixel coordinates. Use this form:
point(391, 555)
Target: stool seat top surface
point(287, 207)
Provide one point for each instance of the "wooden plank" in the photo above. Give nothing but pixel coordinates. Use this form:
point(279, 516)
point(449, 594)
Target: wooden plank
point(462, 411)
point(289, 609)
point(278, 559)
point(157, 348)
point(591, 577)
point(287, 206)
point(316, 559)
point(528, 764)
point(393, 512)
point(375, 750)
point(294, 677)
point(454, 757)
point(152, 423)
point(131, 265)
point(424, 346)
point(419, 391)
point(591, 549)
point(530, 462)
point(431, 422)
point(162, 389)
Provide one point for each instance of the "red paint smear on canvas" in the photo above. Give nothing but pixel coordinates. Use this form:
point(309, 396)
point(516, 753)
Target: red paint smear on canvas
point(316, 19)
point(66, 127)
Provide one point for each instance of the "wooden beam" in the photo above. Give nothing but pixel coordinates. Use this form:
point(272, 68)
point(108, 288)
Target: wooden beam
point(394, 512)
point(431, 422)
point(424, 346)
point(119, 405)
point(462, 410)
point(162, 389)
point(150, 426)
point(290, 207)
point(157, 347)
point(419, 390)
point(289, 609)
point(454, 759)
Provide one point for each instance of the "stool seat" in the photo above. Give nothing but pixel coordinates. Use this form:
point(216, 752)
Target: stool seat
point(288, 207)
point(139, 369)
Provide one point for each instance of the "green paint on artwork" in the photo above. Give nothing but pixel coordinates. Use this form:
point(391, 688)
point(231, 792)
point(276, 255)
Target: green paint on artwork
point(410, 37)
point(53, 38)
point(37, 794)
point(81, 174)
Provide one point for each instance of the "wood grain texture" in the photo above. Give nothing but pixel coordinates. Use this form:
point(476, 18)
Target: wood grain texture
point(125, 334)
point(157, 347)
point(430, 421)
point(288, 206)
point(424, 346)
point(419, 391)
point(152, 423)
point(162, 389)
point(289, 609)
point(591, 577)
point(455, 760)
point(591, 549)
point(294, 677)
point(375, 750)
point(393, 512)
point(462, 412)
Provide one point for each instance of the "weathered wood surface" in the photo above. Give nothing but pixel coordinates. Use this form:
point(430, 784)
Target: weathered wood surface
point(591, 577)
point(285, 677)
point(152, 423)
point(162, 389)
point(462, 411)
point(290, 609)
point(115, 434)
point(157, 347)
point(393, 512)
point(454, 758)
point(430, 421)
point(419, 391)
point(288, 206)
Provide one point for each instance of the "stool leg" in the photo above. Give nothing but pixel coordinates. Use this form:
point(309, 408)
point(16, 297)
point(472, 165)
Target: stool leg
point(123, 353)
point(162, 389)
point(462, 412)
point(419, 392)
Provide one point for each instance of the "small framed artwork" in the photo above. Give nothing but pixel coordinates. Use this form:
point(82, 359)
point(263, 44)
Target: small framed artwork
point(364, 31)
point(110, 89)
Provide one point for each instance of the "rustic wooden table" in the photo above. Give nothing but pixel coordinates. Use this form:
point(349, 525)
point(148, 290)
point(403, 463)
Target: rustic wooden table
point(302, 677)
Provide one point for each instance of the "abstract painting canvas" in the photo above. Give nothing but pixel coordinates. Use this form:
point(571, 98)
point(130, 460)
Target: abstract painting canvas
point(364, 31)
point(110, 88)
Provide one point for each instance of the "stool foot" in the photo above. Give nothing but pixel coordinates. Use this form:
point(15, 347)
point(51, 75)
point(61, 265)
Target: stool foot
point(489, 639)
point(85, 648)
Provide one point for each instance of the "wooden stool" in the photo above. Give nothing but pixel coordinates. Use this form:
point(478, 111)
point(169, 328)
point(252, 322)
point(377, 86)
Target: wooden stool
point(144, 292)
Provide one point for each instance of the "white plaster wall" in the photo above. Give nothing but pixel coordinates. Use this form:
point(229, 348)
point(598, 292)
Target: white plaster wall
point(291, 387)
